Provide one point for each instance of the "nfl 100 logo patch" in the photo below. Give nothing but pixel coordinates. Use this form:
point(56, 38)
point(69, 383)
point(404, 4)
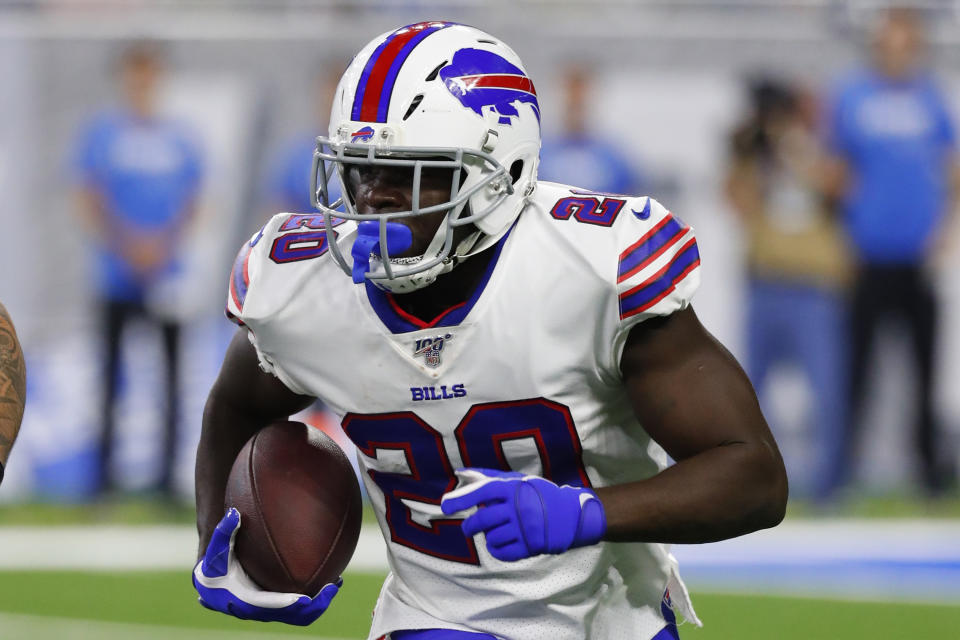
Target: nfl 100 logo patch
point(431, 348)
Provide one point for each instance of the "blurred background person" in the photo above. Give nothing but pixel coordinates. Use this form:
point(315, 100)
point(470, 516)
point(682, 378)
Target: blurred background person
point(139, 177)
point(896, 170)
point(288, 187)
point(797, 268)
point(13, 387)
point(577, 155)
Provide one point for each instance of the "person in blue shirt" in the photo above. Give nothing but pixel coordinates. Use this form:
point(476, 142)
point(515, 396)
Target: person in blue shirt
point(577, 156)
point(895, 171)
point(139, 178)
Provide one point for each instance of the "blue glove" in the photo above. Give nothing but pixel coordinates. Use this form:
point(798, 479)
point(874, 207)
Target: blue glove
point(523, 516)
point(224, 586)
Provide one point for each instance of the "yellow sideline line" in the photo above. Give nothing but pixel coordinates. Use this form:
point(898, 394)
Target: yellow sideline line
point(30, 627)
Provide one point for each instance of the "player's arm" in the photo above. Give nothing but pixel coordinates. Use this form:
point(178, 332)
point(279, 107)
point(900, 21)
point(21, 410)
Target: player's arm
point(13, 386)
point(243, 400)
point(693, 398)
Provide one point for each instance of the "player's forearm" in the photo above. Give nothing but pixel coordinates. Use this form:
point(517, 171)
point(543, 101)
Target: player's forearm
point(13, 385)
point(244, 399)
point(720, 493)
point(225, 431)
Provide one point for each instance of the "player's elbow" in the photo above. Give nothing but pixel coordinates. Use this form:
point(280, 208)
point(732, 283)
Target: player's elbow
point(771, 488)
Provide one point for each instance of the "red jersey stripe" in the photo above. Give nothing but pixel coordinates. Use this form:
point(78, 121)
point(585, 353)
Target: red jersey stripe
point(673, 285)
point(414, 320)
point(653, 256)
point(649, 234)
point(659, 274)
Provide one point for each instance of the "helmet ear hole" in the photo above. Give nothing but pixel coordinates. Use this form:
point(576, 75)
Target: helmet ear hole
point(516, 170)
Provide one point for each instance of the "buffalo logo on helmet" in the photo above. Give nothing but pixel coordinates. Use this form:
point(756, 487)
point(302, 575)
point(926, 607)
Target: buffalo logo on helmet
point(480, 79)
point(362, 135)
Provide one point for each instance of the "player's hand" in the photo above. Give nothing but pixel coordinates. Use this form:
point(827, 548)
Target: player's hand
point(224, 586)
point(523, 516)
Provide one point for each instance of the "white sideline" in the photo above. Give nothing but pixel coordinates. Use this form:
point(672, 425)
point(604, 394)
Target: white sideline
point(802, 542)
point(114, 548)
point(28, 627)
point(831, 540)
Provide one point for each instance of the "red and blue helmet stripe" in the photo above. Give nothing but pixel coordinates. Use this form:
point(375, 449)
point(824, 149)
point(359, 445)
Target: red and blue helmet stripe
point(372, 99)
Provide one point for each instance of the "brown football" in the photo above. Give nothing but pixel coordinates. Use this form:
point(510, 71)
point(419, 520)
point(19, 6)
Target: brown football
point(300, 508)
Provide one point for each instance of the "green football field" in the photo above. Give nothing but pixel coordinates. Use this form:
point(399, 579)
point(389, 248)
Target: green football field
point(36, 605)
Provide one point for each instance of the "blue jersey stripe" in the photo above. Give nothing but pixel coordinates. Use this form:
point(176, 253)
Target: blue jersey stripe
point(644, 296)
point(642, 254)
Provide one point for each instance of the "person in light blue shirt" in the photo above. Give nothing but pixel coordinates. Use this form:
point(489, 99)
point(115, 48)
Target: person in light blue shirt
point(139, 176)
point(895, 172)
point(577, 156)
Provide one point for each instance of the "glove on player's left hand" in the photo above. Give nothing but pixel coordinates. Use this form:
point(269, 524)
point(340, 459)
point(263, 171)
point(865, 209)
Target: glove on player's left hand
point(523, 516)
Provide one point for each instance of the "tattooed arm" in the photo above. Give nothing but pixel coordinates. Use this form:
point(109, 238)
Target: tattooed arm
point(13, 386)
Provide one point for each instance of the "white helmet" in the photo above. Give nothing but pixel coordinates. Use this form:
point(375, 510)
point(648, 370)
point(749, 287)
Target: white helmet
point(432, 94)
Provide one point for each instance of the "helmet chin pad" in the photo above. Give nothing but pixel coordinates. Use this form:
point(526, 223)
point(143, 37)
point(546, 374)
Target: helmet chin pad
point(398, 236)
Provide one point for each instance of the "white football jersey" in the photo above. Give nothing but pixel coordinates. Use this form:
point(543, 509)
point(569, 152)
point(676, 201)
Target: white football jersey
point(524, 376)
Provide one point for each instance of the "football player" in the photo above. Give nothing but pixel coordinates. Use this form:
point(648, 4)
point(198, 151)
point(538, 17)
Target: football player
point(13, 386)
point(514, 360)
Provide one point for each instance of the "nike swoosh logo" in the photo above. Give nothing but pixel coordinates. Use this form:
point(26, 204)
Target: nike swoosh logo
point(644, 213)
point(585, 498)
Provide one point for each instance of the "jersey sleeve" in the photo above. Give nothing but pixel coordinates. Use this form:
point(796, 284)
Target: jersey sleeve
point(257, 295)
point(239, 283)
point(658, 267)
